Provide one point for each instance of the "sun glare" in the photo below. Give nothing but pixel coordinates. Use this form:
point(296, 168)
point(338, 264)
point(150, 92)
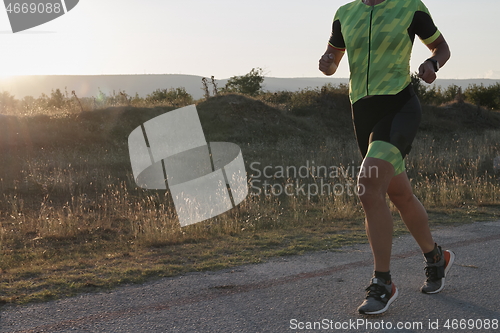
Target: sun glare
point(5, 77)
point(8, 72)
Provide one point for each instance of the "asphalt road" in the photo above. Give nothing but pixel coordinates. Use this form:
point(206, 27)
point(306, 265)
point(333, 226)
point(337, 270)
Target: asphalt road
point(292, 294)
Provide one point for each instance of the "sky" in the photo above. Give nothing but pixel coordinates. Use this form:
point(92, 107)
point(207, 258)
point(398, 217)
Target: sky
point(225, 38)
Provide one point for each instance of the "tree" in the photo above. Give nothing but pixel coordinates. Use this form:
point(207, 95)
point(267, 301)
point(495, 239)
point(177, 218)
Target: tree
point(248, 84)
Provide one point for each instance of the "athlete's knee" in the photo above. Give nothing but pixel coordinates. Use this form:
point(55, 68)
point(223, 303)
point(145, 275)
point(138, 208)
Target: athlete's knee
point(373, 180)
point(401, 197)
point(370, 196)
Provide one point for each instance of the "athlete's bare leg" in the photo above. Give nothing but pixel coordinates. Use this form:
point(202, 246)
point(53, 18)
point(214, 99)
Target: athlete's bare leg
point(373, 183)
point(411, 210)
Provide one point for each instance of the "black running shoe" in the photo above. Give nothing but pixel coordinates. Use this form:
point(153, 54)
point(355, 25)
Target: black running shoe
point(378, 297)
point(436, 272)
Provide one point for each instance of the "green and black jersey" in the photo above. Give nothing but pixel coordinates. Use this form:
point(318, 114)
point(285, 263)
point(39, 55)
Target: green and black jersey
point(378, 40)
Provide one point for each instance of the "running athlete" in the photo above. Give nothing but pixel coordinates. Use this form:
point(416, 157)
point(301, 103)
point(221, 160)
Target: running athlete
point(378, 36)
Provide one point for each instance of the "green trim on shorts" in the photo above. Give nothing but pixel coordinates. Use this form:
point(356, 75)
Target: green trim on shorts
point(387, 152)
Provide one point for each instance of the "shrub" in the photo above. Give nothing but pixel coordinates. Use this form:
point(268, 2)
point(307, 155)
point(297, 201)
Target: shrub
point(56, 100)
point(8, 103)
point(248, 84)
point(485, 96)
point(174, 96)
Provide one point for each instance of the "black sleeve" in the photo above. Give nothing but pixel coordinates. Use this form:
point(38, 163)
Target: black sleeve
point(336, 39)
point(422, 25)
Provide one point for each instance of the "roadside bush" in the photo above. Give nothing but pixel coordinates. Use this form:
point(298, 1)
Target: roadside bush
point(488, 97)
point(248, 84)
point(173, 96)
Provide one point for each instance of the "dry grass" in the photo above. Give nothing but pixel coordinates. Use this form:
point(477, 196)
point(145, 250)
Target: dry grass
point(72, 219)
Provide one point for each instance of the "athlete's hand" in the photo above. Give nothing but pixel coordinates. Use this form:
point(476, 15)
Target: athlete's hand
point(426, 72)
point(327, 64)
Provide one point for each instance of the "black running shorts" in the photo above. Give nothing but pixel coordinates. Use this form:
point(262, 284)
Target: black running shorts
point(390, 118)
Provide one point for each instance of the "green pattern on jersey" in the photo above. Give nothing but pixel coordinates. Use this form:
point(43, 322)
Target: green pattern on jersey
point(378, 45)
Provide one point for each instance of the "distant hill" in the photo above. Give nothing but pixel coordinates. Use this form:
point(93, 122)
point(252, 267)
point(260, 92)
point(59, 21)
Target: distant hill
point(88, 86)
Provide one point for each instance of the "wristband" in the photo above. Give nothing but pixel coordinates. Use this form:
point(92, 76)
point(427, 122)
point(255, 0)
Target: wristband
point(435, 63)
